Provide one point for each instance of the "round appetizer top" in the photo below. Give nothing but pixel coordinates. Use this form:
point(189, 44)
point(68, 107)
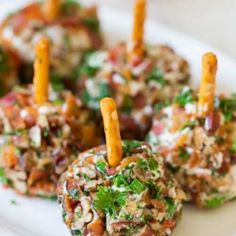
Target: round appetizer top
point(38, 142)
point(136, 86)
point(200, 151)
point(75, 30)
point(138, 197)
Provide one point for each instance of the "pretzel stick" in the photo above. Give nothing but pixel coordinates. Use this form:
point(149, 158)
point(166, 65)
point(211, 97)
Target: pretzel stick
point(41, 71)
point(112, 131)
point(52, 8)
point(137, 45)
point(207, 87)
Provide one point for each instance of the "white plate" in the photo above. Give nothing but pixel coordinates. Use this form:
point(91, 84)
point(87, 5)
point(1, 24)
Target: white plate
point(37, 217)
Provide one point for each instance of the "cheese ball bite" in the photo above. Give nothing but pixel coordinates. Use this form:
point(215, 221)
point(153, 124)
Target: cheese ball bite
point(103, 193)
point(71, 28)
point(41, 132)
point(196, 135)
point(135, 80)
point(39, 142)
point(8, 74)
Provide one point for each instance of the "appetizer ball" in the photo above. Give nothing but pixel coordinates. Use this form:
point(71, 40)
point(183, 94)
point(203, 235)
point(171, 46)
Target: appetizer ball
point(8, 74)
point(135, 86)
point(72, 29)
point(138, 197)
point(38, 142)
point(136, 75)
point(200, 151)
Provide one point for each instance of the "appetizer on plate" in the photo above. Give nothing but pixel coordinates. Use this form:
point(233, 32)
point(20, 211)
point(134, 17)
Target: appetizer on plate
point(122, 188)
point(196, 134)
point(8, 75)
point(136, 75)
point(71, 28)
point(41, 132)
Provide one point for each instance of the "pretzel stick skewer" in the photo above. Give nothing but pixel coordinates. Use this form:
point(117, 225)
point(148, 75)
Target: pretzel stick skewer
point(207, 87)
point(137, 45)
point(112, 131)
point(52, 8)
point(41, 71)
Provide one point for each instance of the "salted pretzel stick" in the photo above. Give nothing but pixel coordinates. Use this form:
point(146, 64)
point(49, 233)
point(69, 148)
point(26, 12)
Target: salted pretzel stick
point(207, 87)
point(137, 46)
point(41, 71)
point(112, 131)
point(52, 8)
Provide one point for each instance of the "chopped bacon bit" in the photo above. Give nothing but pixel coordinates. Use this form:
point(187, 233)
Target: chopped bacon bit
point(96, 228)
point(212, 122)
point(9, 157)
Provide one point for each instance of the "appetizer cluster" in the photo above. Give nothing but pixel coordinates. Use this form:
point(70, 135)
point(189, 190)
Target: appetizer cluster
point(71, 28)
point(136, 197)
point(196, 134)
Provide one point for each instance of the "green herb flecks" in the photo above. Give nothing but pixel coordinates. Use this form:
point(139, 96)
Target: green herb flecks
point(160, 105)
point(69, 6)
point(156, 75)
point(76, 232)
point(108, 200)
point(3, 178)
point(74, 194)
point(190, 124)
point(185, 97)
point(233, 147)
point(136, 186)
point(183, 154)
point(129, 145)
point(214, 202)
point(127, 104)
point(101, 166)
point(92, 23)
point(227, 106)
point(171, 207)
point(56, 81)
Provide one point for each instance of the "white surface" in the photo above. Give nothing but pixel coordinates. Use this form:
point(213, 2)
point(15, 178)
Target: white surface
point(37, 217)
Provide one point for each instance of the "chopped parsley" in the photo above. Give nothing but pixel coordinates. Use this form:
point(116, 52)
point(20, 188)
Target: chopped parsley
point(76, 232)
point(183, 154)
point(227, 106)
point(185, 97)
point(152, 163)
point(56, 82)
point(120, 181)
point(92, 22)
point(136, 186)
point(190, 124)
point(13, 202)
point(127, 104)
point(70, 5)
point(160, 105)
point(74, 194)
point(214, 202)
point(233, 147)
point(3, 178)
point(101, 166)
point(108, 200)
point(129, 145)
point(156, 75)
point(171, 207)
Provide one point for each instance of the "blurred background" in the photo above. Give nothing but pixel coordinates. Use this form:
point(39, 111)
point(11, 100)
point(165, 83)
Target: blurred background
point(212, 21)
